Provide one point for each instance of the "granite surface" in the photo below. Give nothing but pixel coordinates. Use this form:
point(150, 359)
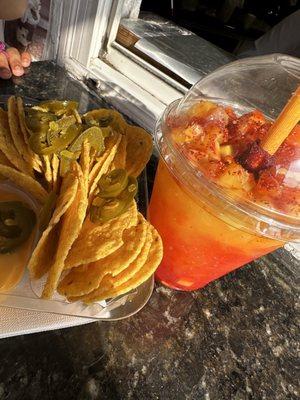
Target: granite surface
point(238, 338)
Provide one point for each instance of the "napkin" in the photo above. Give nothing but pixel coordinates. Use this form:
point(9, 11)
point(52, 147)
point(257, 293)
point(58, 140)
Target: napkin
point(14, 321)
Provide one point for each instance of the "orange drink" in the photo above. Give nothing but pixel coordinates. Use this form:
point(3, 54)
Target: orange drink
point(199, 246)
point(214, 214)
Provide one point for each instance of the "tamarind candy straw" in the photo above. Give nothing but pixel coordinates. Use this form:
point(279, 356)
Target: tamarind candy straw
point(284, 124)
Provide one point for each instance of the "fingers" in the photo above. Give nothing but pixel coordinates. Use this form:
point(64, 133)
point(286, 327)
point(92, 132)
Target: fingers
point(5, 72)
point(14, 60)
point(26, 59)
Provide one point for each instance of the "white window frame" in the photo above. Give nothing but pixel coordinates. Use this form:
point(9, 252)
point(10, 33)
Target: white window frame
point(134, 87)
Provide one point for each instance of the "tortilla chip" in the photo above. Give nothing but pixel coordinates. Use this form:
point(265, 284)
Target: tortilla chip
point(22, 120)
point(85, 161)
point(77, 116)
point(139, 149)
point(71, 224)
point(107, 288)
point(113, 117)
point(15, 130)
point(55, 174)
point(136, 264)
point(47, 171)
point(84, 279)
point(97, 241)
point(35, 160)
point(120, 157)
point(40, 260)
point(93, 155)
point(25, 182)
point(102, 165)
point(4, 160)
point(8, 148)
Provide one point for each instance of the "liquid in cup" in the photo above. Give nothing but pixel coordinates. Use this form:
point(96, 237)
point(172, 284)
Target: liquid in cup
point(206, 236)
point(199, 247)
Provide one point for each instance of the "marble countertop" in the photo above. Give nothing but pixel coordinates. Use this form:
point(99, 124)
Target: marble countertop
point(238, 338)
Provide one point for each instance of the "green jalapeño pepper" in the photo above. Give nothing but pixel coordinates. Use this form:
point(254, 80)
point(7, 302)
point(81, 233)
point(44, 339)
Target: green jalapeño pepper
point(113, 183)
point(55, 127)
point(16, 224)
point(66, 159)
point(93, 135)
point(57, 107)
point(105, 209)
point(40, 146)
point(36, 120)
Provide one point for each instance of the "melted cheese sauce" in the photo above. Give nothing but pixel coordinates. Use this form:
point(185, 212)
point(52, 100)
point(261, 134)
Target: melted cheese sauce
point(12, 265)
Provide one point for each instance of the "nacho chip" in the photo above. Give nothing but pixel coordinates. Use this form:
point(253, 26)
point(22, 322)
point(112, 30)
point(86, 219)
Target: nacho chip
point(8, 148)
point(22, 120)
point(120, 157)
point(55, 174)
point(93, 154)
point(40, 260)
point(102, 165)
point(107, 288)
point(107, 117)
point(77, 116)
point(97, 241)
point(4, 160)
point(137, 263)
point(84, 279)
point(25, 182)
point(15, 130)
point(47, 170)
point(34, 158)
point(139, 149)
point(71, 224)
point(85, 161)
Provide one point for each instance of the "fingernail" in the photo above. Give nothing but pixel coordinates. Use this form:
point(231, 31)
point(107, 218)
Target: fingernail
point(26, 62)
point(5, 73)
point(18, 70)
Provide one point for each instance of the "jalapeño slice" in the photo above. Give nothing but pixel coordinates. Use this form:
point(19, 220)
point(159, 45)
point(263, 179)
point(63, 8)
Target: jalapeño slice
point(16, 224)
point(105, 209)
point(93, 135)
point(113, 183)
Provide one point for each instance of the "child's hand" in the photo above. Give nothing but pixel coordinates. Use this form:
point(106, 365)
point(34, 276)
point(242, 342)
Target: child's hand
point(13, 63)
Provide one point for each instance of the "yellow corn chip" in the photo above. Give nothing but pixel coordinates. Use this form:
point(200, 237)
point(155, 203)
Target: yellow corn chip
point(85, 161)
point(136, 264)
point(84, 279)
point(8, 147)
point(77, 116)
point(15, 130)
point(97, 241)
point(139, 149)
point(55, 174)
point(108, 290)
point(4, 160)
point(108, 117)
point(93, 154)
point(47, 170)
point(40, 260)
point(120, 157)
point(22, 120)
point(35, 160)
point(71, 224)
point(102, 165)
point(25, 182)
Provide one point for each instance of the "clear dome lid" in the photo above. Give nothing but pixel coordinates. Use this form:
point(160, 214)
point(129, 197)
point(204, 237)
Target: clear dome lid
point(206, 138)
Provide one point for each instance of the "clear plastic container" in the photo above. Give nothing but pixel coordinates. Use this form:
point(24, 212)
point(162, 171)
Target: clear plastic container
point(209, 230)
point(26, 293)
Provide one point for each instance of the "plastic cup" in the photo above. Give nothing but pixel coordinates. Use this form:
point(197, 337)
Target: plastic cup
point(207, 232)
